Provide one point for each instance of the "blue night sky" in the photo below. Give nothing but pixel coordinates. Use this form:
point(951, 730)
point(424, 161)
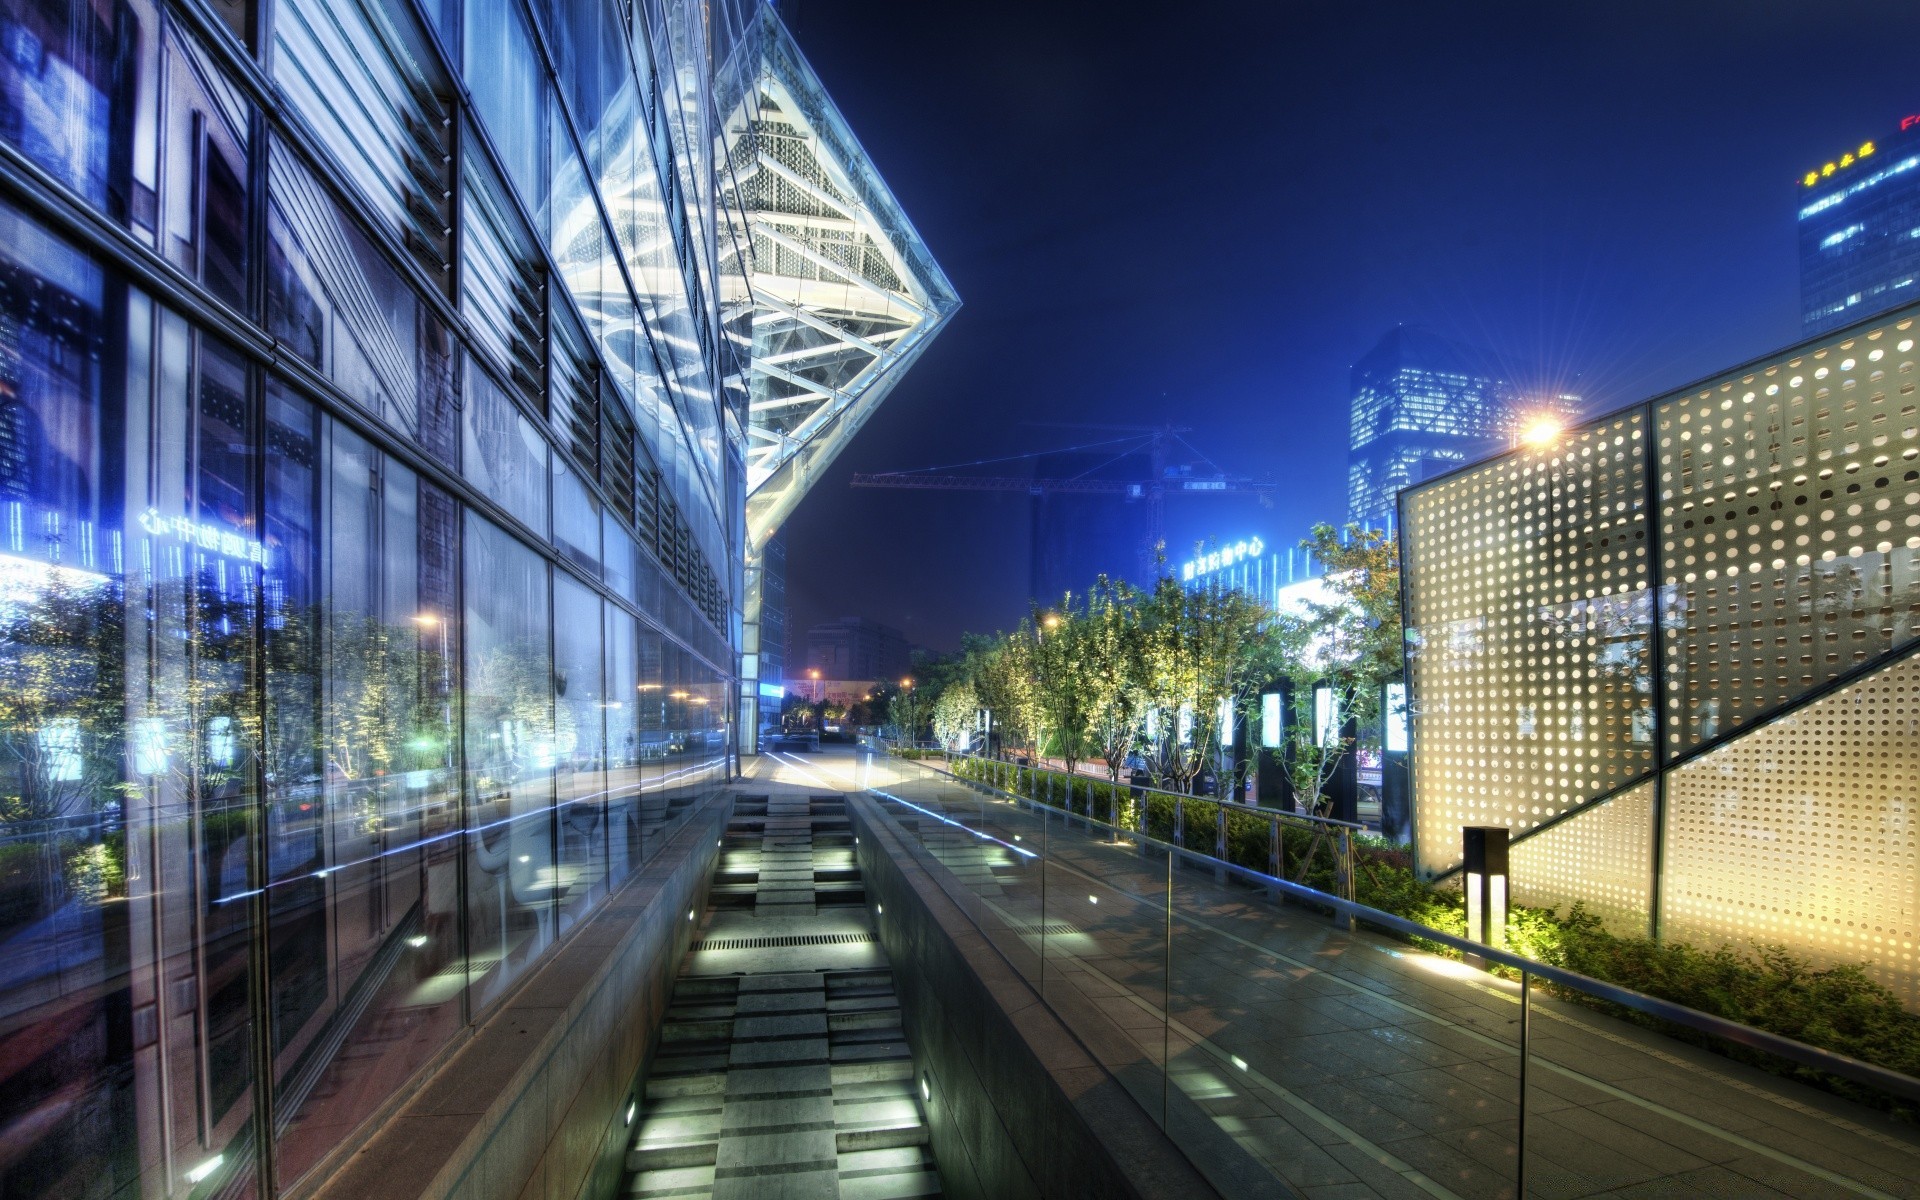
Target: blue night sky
point(1204, 213)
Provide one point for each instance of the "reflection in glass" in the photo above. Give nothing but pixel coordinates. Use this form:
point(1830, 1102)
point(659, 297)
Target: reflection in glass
point(512, 754)
point(581, 708)
point(506, 457)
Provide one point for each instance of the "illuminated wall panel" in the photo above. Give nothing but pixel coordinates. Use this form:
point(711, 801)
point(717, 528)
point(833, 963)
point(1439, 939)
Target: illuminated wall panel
point(1528, 615)
point(1601, 858)
point(1788, 521)
point(1802, 833)
point(1790, 527)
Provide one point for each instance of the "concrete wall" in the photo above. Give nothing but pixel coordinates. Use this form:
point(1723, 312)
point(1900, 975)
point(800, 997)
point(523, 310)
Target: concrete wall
point(532, 1107)
point(1019, 1108)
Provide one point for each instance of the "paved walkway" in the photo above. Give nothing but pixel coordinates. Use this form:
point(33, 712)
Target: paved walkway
point(782, 1070)
point(1352, 1065)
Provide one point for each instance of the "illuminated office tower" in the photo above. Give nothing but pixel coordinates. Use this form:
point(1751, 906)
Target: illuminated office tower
point(1859, 219)
point(1423, 405)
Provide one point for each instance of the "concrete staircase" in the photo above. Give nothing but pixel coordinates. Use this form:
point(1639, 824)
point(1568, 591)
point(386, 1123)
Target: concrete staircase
point(782, 1069)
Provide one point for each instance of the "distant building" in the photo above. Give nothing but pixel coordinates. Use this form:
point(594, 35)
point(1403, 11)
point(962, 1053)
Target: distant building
point(1423, 405)
point(858, 649)
point(1859, 219)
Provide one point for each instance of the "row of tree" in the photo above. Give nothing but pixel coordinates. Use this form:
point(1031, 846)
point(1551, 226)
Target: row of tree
point(1145, 676)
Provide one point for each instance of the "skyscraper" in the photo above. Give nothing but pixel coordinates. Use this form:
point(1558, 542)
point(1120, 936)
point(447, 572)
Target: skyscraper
point(1859, 221)
point(1422, 405)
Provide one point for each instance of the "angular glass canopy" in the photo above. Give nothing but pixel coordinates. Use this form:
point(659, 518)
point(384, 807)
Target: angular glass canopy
point(839, 292)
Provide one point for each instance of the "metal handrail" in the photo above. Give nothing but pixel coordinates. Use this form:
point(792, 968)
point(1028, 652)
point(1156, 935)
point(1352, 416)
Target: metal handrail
point(1349, 911)
point(1243, 806)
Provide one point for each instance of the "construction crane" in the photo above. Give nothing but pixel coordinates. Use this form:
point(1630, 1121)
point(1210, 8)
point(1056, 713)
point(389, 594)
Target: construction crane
point(1158, 442)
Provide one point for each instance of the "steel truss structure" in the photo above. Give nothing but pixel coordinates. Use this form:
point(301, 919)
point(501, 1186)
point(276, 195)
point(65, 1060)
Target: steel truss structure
point(824, 278)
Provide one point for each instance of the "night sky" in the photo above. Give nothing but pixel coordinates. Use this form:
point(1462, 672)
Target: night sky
point(1205, 212)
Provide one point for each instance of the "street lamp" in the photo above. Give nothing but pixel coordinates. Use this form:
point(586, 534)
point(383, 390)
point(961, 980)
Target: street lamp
point(427, 620)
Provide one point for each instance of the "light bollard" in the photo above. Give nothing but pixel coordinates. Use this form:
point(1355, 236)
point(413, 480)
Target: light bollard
point(1485, 854)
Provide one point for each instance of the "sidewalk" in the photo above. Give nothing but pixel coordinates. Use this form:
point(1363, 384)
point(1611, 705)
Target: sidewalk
point(1353, 1065)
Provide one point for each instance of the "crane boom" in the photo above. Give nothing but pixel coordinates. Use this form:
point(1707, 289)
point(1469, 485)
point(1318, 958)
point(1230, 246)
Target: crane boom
point(1040, 487)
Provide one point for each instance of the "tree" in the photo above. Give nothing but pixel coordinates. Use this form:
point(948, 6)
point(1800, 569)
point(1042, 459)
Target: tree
point(1004, 678)
point(1198, 650)
point(1116, 688)
point(955, 712)
point(909, 711)
point(1350, 644)
point(62, 701)
point(1063, 672)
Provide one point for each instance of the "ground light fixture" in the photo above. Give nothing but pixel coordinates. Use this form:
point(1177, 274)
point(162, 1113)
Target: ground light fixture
point(1485, 853)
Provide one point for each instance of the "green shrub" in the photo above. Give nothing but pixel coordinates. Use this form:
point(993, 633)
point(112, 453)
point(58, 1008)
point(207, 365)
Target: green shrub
point(1835, 1008)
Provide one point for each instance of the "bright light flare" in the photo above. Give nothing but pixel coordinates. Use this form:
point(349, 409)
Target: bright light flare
point(1542, 431)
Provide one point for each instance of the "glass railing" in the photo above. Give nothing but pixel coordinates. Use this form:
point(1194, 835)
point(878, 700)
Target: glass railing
point(1284, 1050)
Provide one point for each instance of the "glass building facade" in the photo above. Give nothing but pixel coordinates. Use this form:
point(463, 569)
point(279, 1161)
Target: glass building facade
point(372, 480)
point(1423, 405)
point(1859, 230)
point(1675, 653)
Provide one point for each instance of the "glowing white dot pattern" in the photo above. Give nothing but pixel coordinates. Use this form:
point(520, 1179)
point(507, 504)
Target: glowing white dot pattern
point(1803, 833)
point(1790, 528)
point(1529, 647)
point(1601, 858)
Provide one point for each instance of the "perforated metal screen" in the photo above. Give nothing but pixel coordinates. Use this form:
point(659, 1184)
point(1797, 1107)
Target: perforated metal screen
point(1529, 605)
point(1601, 858)
point(1790, 524)
point(1786, 504)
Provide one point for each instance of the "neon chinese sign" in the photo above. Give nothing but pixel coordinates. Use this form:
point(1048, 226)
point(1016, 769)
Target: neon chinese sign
point(204, 536)
point(1226, 556)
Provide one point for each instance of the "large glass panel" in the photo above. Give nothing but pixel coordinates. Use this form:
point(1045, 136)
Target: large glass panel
point(202, 683)
point(65, 987)
point(76, 80)
point(502, 282)
point(508, 79)
point(335, 300)
point(364, 963)
point(505, 456)
point(655, 739)
point(510, 759)
point(204, 198)
point(576, 518)
point(360, 77)
point(581, 707)
point(624, 699)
